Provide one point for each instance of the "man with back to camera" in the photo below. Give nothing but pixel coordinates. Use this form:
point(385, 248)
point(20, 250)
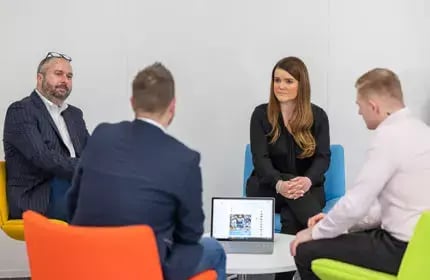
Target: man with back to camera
point(135, 173)
point(43, 139)
point(395, 175)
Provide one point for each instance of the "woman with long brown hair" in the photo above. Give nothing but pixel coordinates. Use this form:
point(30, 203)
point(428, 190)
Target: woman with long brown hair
point(290, 147)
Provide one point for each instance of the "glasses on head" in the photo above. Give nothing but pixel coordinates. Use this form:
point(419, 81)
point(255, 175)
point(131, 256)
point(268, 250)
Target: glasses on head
point(59, 55)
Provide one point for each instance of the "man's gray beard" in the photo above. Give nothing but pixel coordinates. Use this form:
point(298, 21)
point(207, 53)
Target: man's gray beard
point(51, 94)
point(60, 96)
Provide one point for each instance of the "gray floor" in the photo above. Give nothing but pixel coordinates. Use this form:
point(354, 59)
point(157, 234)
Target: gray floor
point(249, 277)
point(260, 277)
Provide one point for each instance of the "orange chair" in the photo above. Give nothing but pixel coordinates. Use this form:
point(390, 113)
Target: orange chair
point(66, 252)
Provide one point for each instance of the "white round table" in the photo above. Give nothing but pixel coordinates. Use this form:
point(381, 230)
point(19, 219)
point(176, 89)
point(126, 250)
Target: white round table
point(279, 261)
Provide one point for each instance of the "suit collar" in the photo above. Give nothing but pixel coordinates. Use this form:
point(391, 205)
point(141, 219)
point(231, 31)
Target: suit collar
point(152, 126)
point(35, 98)
point(68, 118)
point(44, 111)
point(154, 123)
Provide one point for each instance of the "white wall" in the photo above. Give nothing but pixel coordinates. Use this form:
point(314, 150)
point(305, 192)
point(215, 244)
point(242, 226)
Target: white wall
point(367, 34)
point(221, 54)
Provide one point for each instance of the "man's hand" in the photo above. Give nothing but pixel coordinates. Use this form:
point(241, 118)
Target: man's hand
point(315, 219)
point(301, 237)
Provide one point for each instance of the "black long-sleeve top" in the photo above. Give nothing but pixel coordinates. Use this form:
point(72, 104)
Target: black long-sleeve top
point(279, 161)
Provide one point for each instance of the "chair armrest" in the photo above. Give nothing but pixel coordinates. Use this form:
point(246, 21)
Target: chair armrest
point(327, 269)
point(329, 204)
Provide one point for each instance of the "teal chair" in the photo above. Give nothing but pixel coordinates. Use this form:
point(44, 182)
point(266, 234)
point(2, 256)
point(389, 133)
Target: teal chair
point(415, 263)
point(334, 186)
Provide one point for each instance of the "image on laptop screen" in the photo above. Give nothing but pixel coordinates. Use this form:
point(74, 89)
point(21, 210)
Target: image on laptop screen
point(242, 218)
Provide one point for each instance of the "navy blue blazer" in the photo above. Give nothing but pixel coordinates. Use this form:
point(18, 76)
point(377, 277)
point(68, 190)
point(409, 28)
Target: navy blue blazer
point(133, 173)
point(35, 152)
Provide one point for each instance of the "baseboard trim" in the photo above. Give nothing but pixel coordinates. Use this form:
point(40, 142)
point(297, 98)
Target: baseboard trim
point(14, 273)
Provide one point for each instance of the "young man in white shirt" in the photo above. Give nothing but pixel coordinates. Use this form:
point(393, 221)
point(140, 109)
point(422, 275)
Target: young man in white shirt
point(395, 175)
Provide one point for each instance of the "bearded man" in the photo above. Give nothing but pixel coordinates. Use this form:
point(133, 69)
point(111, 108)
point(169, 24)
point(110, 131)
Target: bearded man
point(43, 138)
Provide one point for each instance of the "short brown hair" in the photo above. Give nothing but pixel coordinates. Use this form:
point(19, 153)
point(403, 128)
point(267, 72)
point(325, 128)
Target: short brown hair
point(153, 89)
point(380, 81)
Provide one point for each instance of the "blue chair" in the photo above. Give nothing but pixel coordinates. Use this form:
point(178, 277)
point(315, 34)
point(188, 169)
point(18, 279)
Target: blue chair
point(334, 186)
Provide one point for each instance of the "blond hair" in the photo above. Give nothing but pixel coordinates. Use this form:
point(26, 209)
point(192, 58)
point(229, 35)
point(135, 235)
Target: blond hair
point(381, 82)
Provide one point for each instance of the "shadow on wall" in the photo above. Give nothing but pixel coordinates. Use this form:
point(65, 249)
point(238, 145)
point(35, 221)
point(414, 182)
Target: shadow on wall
point(427, 111)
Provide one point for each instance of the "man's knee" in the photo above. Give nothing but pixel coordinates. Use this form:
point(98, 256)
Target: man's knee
point(212, 246)
point(306, 253)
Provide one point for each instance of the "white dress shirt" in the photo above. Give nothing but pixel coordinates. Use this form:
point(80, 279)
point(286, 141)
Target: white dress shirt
point(55, 112)
point(396, 174)
point(371, 220)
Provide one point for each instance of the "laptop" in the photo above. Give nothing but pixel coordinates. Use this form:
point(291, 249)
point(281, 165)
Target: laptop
point(243, 225)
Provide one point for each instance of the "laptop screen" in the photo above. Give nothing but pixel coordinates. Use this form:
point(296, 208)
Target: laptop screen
point(242, 218)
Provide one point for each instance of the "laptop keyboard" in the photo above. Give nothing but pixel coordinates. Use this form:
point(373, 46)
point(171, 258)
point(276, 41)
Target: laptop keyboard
point(239, 247)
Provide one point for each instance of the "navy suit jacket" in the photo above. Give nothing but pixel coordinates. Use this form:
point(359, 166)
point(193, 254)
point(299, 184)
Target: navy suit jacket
point(35, 152)
point(133, 173)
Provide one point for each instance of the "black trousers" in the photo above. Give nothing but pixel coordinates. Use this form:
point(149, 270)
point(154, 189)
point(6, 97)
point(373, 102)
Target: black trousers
point(294, 212)
point(374, 249)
